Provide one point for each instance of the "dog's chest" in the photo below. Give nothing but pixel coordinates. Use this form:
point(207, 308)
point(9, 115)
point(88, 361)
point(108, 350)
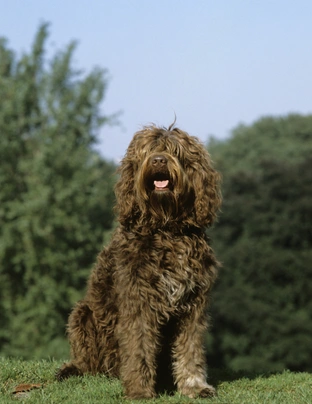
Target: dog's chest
point(176, 281)
point(162, 269)
point(175, 269)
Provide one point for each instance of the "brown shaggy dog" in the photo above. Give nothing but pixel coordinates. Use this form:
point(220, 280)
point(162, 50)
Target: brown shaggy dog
point(143, 318)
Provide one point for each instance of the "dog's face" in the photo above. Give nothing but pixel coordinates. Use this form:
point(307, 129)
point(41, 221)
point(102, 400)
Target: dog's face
point(166, 175)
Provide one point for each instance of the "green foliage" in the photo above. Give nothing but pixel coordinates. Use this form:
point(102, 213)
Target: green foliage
point(281, 139)
point(56, 194)
point(262, 311)
point(232, 387)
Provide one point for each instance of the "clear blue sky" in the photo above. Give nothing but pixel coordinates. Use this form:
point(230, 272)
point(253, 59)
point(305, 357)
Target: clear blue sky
point(214, 63)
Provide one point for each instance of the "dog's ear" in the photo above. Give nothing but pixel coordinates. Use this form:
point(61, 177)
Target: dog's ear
point(125, 207)
point(206, 182)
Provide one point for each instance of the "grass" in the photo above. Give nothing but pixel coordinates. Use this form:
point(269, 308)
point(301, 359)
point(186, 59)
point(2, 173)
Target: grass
point(283, 388)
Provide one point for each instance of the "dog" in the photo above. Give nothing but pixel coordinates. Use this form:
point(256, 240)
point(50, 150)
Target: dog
point(144, 315)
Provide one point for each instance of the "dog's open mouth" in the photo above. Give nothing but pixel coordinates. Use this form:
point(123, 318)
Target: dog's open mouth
point(161, 185)
point(159, 182)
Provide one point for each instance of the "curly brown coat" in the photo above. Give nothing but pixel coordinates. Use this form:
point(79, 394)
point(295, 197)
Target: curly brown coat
point(143, 318)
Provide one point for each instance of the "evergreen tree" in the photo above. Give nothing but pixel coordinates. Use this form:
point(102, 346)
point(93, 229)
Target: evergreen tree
point(262, 309)
point(56, 193)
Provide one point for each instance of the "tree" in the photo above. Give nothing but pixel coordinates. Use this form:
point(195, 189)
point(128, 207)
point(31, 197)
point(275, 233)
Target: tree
point(56, 193)
point(262, 308)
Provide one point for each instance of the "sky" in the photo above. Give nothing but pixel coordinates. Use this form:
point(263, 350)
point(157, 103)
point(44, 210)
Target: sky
point(212, 63)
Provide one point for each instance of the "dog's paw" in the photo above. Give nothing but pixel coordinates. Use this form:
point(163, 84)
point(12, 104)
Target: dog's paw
point(67, 370)
point(201, 390)
point(208, 391)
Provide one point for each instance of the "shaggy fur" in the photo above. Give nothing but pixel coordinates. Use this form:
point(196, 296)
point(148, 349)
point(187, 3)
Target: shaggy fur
point(143, 318)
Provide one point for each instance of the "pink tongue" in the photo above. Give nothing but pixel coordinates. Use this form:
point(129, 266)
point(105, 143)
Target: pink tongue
point(161, 184)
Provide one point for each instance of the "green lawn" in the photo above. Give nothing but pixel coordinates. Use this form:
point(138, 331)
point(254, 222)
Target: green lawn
point(284, 388)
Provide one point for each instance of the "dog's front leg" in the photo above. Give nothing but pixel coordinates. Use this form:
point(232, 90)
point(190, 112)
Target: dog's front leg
point(189, 364)
point(137, 333)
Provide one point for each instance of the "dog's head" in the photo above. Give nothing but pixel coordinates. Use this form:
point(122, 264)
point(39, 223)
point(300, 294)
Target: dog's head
point(166, 175)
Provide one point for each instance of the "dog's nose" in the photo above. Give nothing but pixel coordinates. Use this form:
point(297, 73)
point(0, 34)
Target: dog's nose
point(159, 160)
